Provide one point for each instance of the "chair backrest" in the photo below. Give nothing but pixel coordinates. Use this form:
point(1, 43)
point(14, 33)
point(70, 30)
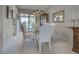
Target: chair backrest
point(45, 33)
point(24, 26)
point(52, 27)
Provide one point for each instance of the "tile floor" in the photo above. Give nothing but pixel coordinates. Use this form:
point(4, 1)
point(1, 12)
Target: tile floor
point(59, 46)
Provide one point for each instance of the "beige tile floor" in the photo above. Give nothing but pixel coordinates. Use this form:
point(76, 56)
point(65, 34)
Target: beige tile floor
point(59, 46)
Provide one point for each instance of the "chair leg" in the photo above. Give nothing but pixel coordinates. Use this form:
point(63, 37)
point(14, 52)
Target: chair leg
point(49, 45)
point(39, 47)
point(53, 38)
point(34, 41)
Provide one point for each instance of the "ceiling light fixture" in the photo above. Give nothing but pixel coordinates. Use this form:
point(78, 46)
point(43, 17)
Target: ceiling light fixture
point(40, 12)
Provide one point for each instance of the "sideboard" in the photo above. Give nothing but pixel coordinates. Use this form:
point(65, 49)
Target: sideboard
point(75, 39)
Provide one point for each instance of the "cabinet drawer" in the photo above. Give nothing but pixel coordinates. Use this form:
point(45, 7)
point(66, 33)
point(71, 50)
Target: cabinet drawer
point(77, 45)
point(76, 34)
point(76, 37)
point(76, 40)
point(76, 30)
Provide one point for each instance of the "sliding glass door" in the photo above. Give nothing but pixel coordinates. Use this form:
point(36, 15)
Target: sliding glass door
point(28, 20)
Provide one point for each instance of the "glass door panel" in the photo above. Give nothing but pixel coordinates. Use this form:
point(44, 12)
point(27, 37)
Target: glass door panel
point(29, 21)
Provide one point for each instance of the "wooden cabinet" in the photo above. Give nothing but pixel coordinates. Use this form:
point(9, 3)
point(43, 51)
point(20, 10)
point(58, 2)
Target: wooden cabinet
point(75, 39)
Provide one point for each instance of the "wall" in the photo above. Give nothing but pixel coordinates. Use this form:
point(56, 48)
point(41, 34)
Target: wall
point(61, 29)
point(7, 27)
point(10, 41)
point(28, 11)
point(1, 39)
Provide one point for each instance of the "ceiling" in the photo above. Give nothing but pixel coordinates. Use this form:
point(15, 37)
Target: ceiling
point(34, 7)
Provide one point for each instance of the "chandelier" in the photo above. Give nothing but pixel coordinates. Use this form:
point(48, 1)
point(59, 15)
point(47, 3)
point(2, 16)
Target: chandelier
point(39, 12)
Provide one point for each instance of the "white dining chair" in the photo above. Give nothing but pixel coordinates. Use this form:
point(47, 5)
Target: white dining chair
point(28, 35)
point(45, 33)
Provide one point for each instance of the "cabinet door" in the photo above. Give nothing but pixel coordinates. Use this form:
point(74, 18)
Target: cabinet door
point(76, 38)
point(77, 30)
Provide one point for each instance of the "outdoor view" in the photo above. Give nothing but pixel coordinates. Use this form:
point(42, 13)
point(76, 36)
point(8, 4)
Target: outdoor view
point(28, 20)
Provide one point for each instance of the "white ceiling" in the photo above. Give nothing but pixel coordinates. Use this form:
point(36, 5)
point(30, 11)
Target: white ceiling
point(40, 7)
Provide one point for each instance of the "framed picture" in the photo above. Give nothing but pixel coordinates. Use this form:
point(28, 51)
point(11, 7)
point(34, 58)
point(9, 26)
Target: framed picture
point(9, 12)
point(58, 16)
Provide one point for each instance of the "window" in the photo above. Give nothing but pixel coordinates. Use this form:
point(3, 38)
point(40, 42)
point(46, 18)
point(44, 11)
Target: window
point(58, 16)
point(29, 20)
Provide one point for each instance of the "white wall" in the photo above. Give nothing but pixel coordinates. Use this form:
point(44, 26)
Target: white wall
point(61, 29)
point(7, 39)
point(27, 11)
point(1, 38)
point(7, 27)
